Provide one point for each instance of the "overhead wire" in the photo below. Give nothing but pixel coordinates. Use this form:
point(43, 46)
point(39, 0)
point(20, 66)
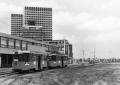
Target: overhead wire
point(4, 22)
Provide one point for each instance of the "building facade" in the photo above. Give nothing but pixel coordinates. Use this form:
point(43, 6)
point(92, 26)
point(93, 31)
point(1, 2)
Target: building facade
point(35, 18)
point(16, 24)
point(60, 44)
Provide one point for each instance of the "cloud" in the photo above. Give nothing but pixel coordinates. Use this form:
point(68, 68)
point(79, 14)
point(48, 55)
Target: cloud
point(112, 37)
point(111, 5)
point(70, 18)
point(6, 10)
point(108, 23)
point(47, 3)
point(72, 39)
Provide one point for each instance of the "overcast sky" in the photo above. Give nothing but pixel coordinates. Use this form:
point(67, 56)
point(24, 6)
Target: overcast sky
point(91, 23)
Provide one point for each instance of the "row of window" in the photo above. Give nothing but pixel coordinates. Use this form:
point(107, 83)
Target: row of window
point(37, 12)
point(37, 37)
point(42, 22)
point(16, 15)
point(36, 33)
point(22, 45)
point(38, 20)
point(29, 57)
point(16, 18)
point(12, 43)
point(39, 17)
point(20, 22)
point(38, 9)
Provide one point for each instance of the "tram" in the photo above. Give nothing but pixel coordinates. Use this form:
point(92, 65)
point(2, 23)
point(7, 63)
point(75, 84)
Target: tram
point(54, 60)
point(26, 60)
point(57, 60)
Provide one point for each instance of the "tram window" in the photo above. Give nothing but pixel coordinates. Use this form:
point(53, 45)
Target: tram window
point(20, 58)
point(58, 57)
point(53, 58)
point(23, 57)
point(31, 57)
point(26, 58)
point(16, 57)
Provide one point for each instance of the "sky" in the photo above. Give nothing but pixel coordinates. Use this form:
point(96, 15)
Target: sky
point(91, 25)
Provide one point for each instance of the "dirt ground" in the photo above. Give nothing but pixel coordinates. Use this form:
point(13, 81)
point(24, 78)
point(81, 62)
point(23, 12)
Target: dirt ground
point(100, 74)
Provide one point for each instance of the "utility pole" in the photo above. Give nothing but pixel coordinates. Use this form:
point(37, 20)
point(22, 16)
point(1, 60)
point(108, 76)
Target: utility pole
point(68, 49)
point(64, 44)
point(83, 54)
point(94, 55)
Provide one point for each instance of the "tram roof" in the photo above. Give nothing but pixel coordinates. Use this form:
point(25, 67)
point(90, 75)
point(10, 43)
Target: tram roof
point(57, 54)
point(21, 52)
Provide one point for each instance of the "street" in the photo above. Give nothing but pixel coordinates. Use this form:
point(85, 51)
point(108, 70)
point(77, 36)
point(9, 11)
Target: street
point(100, 74)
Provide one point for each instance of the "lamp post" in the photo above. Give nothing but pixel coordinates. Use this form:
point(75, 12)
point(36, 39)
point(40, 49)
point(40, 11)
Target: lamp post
point(64, 44)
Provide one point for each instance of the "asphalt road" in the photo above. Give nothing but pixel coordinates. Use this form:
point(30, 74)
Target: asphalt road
point(100, 74)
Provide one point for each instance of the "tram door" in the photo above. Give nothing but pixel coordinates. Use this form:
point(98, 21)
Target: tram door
point(39, 62)
point(62, 61)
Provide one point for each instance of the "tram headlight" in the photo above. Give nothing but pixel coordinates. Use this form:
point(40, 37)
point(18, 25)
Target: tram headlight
point(15, 59)
point(59, 61)
point(26, 64)
point(54, 62)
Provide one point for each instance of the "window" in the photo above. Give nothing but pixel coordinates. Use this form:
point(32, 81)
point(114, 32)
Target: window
point(24, 45)
point(3, 42)
point(53, 57)
point(26, 57)
point(17, 44)
point(11, 43)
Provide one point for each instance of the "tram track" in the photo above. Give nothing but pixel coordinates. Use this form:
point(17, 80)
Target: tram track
point(7, 77)
point(7, 74)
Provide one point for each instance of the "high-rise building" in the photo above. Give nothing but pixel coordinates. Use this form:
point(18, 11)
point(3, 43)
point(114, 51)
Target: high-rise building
point(16, 24)
point(36, 23)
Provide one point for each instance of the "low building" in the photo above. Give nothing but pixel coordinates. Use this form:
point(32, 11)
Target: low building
point(9, 44)
point(68, 47)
